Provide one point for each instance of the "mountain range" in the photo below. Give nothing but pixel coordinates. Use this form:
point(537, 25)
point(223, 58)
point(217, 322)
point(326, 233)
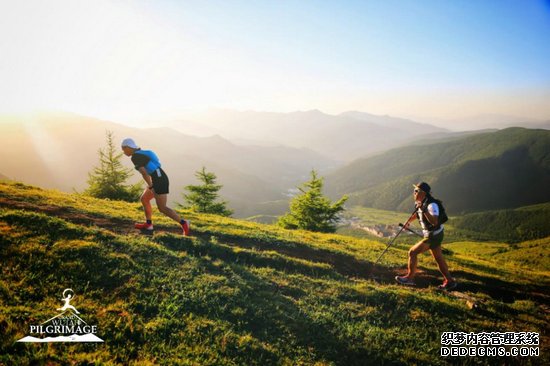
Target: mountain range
point(487, 121)
point(57, 150)
point(493, 170)
point(270, 154)
point(471, 171)
point(342, 137)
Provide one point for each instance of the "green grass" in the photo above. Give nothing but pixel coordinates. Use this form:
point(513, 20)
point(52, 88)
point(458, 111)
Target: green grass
point(242, 293)
point(530, 255)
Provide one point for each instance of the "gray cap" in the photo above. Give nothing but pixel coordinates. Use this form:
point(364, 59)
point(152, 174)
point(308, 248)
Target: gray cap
point(129, 143)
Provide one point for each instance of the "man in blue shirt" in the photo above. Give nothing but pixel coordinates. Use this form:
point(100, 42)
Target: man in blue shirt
point(148, 164)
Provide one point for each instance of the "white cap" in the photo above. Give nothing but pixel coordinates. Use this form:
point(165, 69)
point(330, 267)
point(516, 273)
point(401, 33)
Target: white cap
point(129, 143)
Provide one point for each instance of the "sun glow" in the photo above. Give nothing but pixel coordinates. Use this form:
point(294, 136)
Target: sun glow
point(130, 61)
point(106, 59)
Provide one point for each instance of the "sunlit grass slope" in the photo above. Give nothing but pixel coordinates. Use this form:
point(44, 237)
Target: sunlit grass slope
point(241, 293)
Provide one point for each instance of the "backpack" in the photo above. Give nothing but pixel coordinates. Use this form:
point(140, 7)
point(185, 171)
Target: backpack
point(443, 218)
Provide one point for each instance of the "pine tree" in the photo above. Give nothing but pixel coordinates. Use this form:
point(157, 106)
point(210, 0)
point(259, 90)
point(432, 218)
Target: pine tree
point(202, 198)
point(311, 210)
point(107, 180)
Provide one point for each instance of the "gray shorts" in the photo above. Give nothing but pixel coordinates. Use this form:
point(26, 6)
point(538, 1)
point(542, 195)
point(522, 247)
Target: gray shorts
point(434, 240)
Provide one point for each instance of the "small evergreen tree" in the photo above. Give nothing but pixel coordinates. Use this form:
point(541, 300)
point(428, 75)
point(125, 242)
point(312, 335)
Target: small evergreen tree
point(107, 180)
point(311, 210)
point(202, 198)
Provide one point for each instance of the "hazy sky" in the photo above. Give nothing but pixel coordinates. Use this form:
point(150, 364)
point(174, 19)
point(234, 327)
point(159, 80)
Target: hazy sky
point(131, 60)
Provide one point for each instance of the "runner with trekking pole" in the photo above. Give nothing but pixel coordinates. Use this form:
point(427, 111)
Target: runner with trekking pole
point(431, 215)
point(148, 164)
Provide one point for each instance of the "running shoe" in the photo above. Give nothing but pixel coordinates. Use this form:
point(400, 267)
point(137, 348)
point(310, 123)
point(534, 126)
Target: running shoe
point(402, 280)
point(144, 226)
point(185, 227)
point(447, 286)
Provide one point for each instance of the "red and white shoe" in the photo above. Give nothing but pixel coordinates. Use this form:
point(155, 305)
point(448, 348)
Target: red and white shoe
point(185, 227)
point(143, 226)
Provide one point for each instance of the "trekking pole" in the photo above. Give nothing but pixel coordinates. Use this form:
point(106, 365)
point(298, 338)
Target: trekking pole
point(395, 237)
point(411, 231)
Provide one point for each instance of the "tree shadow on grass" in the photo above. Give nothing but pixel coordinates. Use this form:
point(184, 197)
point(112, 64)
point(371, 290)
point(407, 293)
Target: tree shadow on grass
point(344, 264)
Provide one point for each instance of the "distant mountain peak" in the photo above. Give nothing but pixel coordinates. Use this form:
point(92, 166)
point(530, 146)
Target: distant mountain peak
point(310, 112)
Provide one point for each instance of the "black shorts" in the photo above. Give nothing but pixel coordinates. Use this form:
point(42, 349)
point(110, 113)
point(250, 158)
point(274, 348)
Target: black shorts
point(160, 181)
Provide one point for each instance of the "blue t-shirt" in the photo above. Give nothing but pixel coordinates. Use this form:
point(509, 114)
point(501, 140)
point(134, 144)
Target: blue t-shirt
point(146, 159)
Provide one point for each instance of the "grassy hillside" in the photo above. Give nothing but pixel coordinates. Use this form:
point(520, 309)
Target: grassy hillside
point(242, 293)
point(490, 171)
